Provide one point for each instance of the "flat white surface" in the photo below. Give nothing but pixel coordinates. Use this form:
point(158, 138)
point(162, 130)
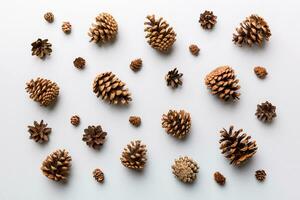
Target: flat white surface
point(22, 23)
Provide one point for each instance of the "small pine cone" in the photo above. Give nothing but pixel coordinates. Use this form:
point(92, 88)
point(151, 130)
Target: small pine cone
point(43, 91)
point(236, 146)
point(260, 72)
point(57, 165)
point(41, 48)
point(134, 155)
point(136, 65)
point(219, 178)
point(75, 120)
point(185, 169)
point(194, 49)
point(260, 175)
point(66, 27)
point(98, 175)
point(266, 112)
point(39, 132)
point(135, 120)
point(105, 29)
point(176, 123)
point(207, 19)
point(49, 17)
point(253, 30)
point(79, 63)
point(111, 89)
point(94, 136)
point(173, 78)
point(159, 34)
point(223, 83)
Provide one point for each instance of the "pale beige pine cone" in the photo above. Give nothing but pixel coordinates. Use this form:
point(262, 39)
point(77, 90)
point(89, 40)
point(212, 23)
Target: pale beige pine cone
point(41, 48)
point(94, 136)
point(66, 27)
point(194, 49)
point(39, 132)
point(75, 120)
point(136, 65)
point(260, 72)
point(49, 17)
point(134, 155)
point(98, 175)
point(135, 120)
point(185, 169)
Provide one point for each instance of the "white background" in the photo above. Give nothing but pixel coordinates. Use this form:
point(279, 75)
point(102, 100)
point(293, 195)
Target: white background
point(22, 23)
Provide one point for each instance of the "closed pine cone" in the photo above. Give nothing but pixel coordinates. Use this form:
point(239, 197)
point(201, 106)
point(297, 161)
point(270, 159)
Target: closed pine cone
point(219, 178)
point(39, 132)
point(104, 29)
point(266, 112)
point(253, 30)
point(49, 17)
point(136, 65)
point(260, 175)
point(94, 136)
point(43, 91)
point(134, 155)
point(79, 63)
point(173, 78)
point(135, 120)
point(41, 48)
point(176, 123)
point(260, 72)
point(57, 165)
point(111, 89)
point(236, 146)
point(185, 169)
point(75, 120)
point(207, 19)
point(159, 34)
point(223, 83)
point(98, 175)
point(194, 49)
point(66, 27)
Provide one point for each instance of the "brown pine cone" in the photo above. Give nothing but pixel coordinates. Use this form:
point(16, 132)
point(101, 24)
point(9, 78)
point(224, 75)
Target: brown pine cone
point(49, 17)
point(260, 72)
point(57, 165)
point(253, 30)
point(41, 48)
point(98, 175)
point(185, 169)
point(94, 136)
point(79, 63)
point(176, 123)
point(223, 83)
point(111, 89)
point(75, 120)
point(159, 34)
point(66, 27)
point(260, 175)
point(194, 49)
point(236, 146)
point(43, 91)
point(135, 120)
point(39, 132)
point(136, 65)
point(134, 155)
point(266, 112)
point(104, 29)
point(173, 78)
point(219, 178)
point(207, 19)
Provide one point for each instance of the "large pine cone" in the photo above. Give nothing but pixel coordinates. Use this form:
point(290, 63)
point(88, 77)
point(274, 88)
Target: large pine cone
point(159, 34)
point(94, 136)
point(39, 132)
point(185, 169)
point(57, 165)
point(134, 155)
point(253, 30)
point(41, 48)
point(266, 112)
point(105, 29)
point(223, 83)
point(176, 123)
point(43, 91)
point(236, 146)
point(111, 89)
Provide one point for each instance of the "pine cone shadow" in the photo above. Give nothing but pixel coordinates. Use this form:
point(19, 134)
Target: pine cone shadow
point(253, 49)
point(53, 104)
point(137, 172)
point(165, 53)
point(108, 44)
point(245, 167)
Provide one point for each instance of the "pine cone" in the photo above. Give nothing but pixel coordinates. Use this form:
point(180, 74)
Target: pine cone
point(253, 30)
point(75, 120)
point(260, 72)
point(39, 132)
point(134, 155)
point(105, 29)
point(207, 19)
point(260, 175)
point(176, 123)
point(41, 48)
point(236, 147)
point(185, 169)
point(173, 78)
point(135, 120)
point(94, 136)
point(111, 89)
point(223, 83)
point(98, 175)
point(194, 49)
point(219, 178)
point(57, 165)
point(42, 90)
point(159, 34)
point(266, 112)
point(136, 65)
point(66, 27)
point(79, 63)
point(49, 17)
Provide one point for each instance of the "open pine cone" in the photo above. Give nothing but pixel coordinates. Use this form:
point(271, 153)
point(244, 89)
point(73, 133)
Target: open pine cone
point(57, 165)
point(253, 30)
point(173, 78)
point(105, 29)
point(207, 19)
point(41, 48)
point(223, 83)
point(159, 34)
point(111, 89)
point(236, 146)
point(266, 112)
point(136, 65)
point(39, 132)
point(94, 136)
point(98, 175)
point(134, 155)
point(43, 91)
point(66, 27)
point(185, 169)
point(176, 123)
